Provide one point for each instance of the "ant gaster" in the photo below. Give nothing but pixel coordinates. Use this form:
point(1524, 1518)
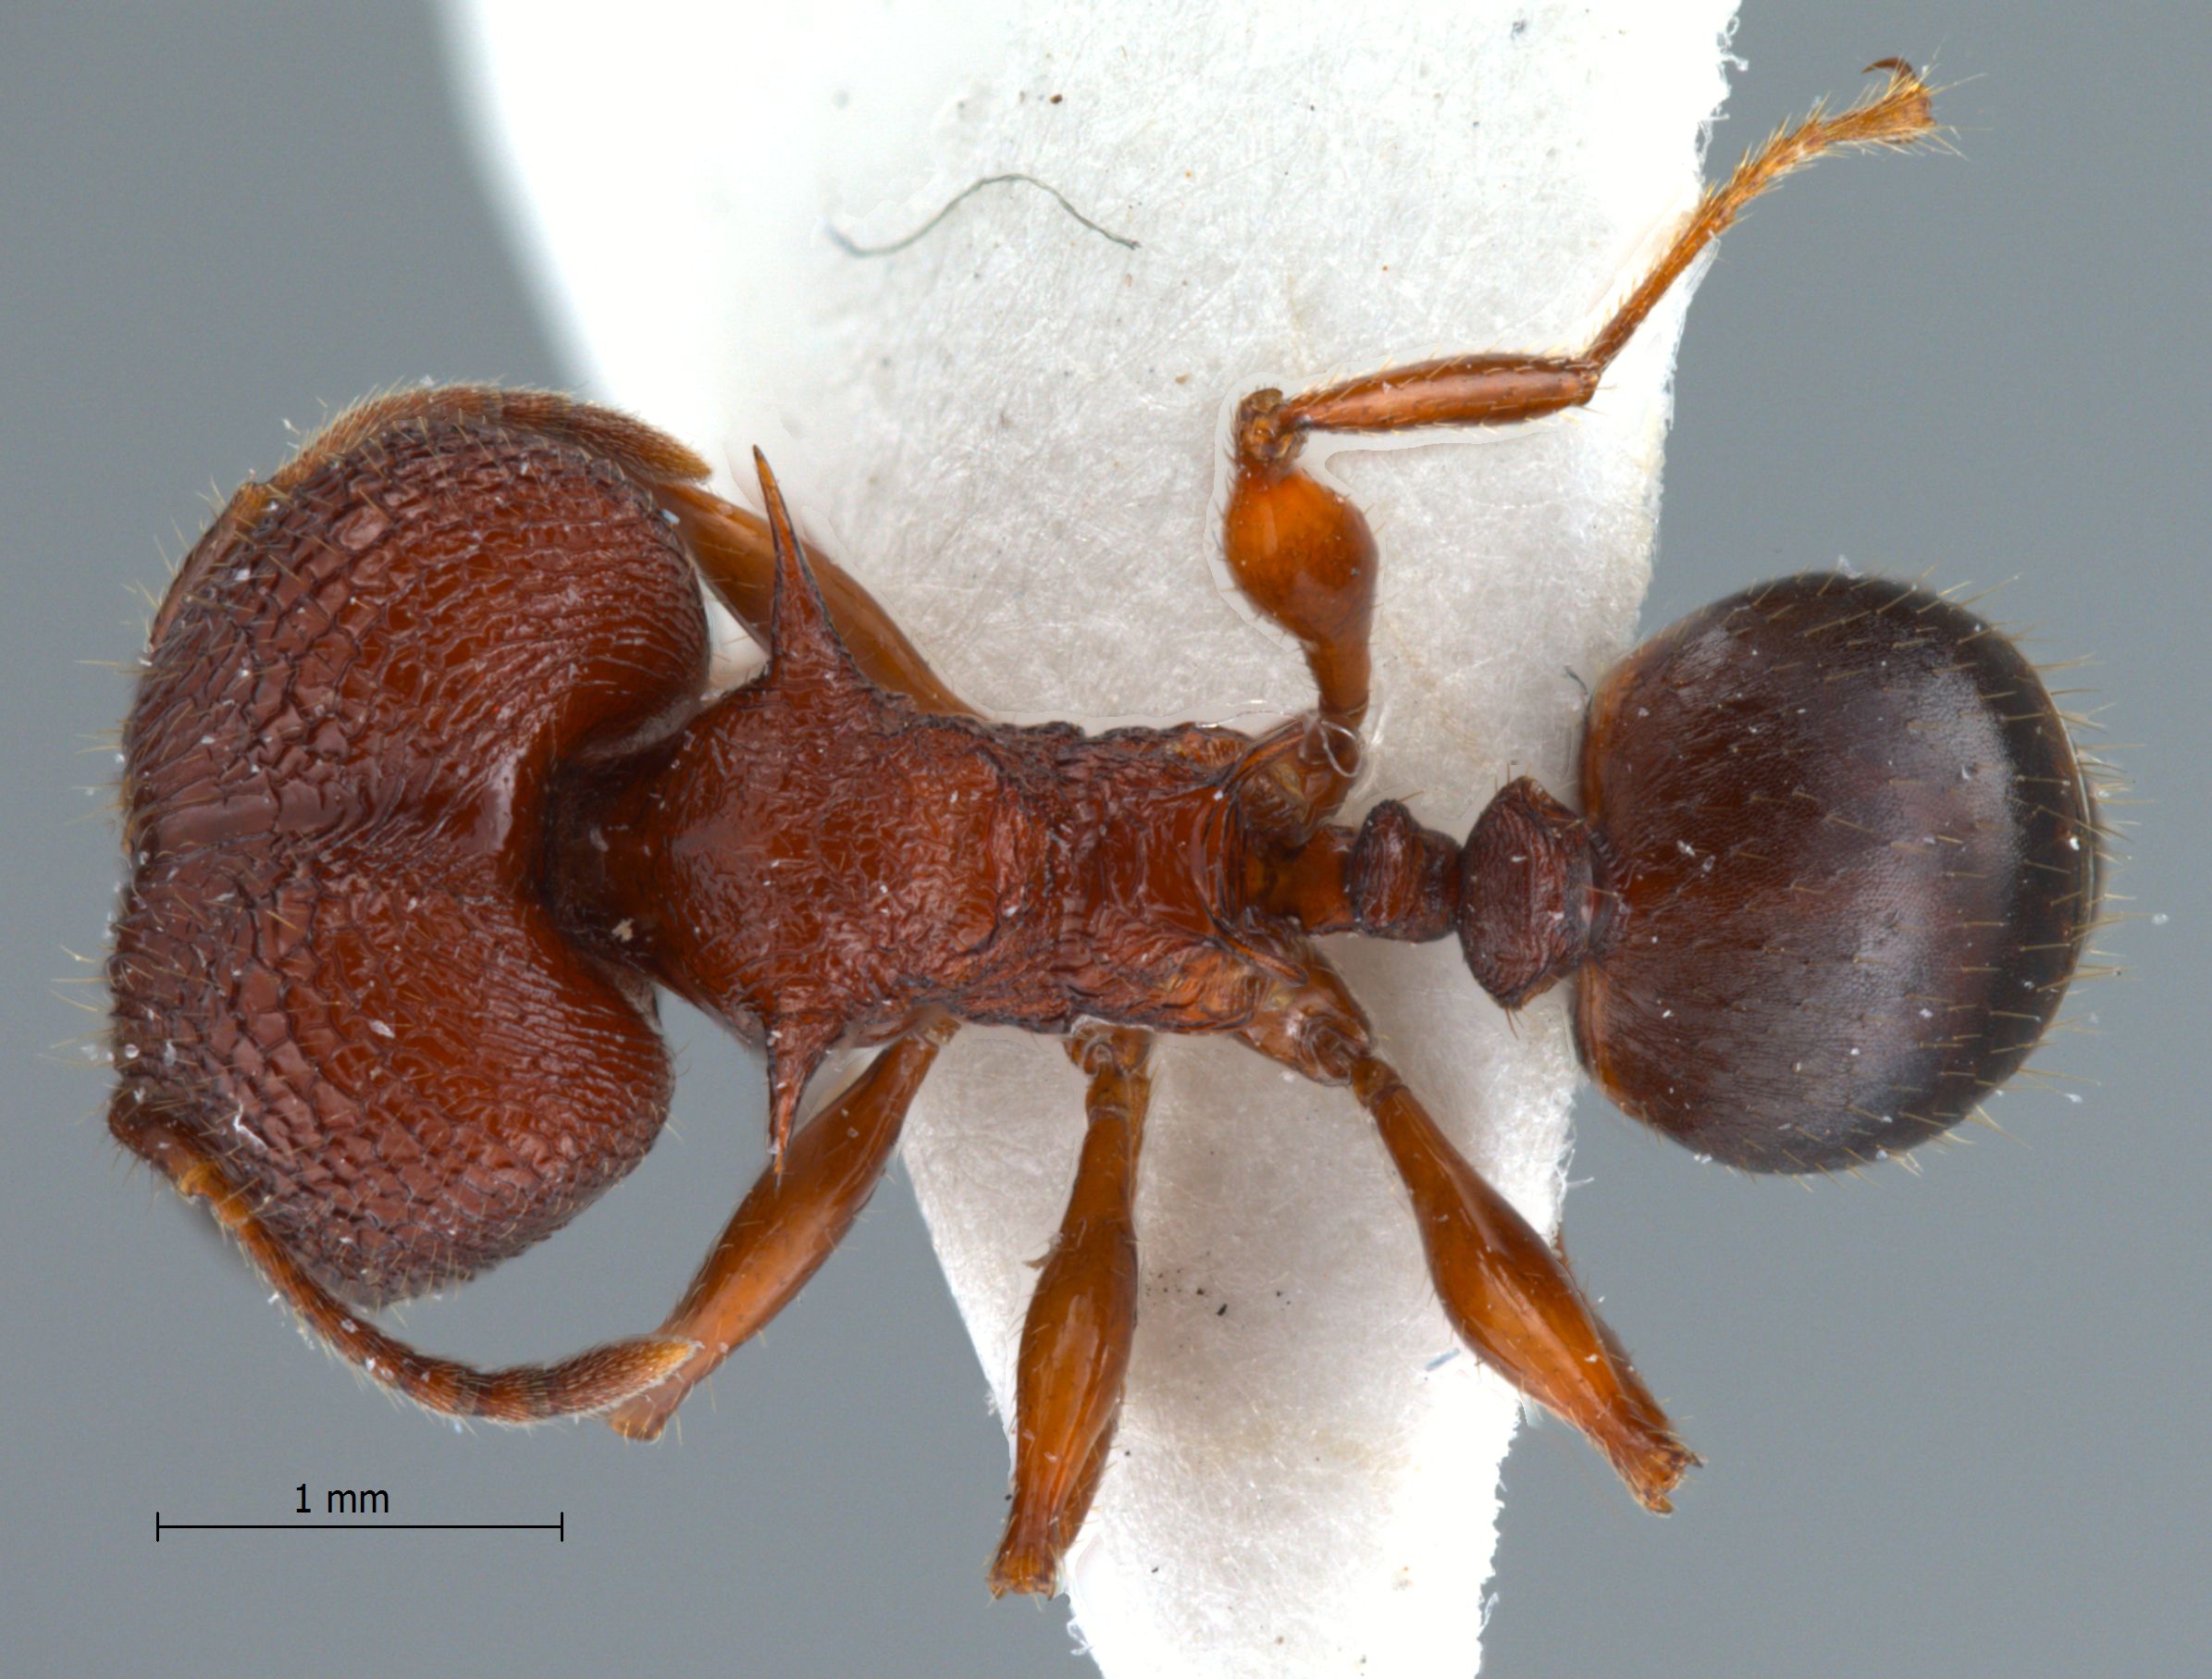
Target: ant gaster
point(423, 802)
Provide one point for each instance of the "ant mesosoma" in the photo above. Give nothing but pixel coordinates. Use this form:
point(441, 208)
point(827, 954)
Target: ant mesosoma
point(423, 802)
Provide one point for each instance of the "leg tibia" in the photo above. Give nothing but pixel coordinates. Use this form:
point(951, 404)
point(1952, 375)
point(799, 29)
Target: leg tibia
point(1513, 1299)
point(1075, 1344)
point(1508, 1295)
point(788, 1225)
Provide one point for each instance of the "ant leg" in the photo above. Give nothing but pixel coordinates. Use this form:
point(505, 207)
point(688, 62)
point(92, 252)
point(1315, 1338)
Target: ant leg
point(1508, 1293)
point(1493, 389)
point(736, 554)
point(788, 1224)
point(1303, 555)
point(1075, 1342)
point(523, 1393)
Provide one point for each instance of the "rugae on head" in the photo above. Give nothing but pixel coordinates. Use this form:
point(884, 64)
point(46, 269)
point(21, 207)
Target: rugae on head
point(332, 971)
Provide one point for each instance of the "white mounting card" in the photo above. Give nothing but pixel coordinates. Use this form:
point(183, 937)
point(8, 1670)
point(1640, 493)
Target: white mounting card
point(1009, 430)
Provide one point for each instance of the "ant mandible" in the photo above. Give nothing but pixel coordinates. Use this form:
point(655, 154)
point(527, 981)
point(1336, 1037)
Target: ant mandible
point(423, 802)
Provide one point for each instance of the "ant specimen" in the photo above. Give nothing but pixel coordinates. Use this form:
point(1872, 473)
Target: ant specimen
point(423, 802)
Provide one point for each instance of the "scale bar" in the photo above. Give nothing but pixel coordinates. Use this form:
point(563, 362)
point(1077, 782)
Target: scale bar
point(162, 1525)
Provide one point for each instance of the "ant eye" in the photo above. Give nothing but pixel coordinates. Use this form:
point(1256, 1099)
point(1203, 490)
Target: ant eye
point(1847, 863)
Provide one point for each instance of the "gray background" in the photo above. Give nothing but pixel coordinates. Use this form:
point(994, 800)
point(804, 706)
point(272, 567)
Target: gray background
point(1952, 1420)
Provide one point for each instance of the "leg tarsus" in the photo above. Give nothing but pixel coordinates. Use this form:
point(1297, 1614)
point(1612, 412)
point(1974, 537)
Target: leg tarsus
point(1901, 114)
point(1075, 1342)
point(788, 1224)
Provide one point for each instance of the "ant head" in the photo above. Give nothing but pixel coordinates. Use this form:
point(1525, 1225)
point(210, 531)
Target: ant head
point(1848, 861)
point(335, 973)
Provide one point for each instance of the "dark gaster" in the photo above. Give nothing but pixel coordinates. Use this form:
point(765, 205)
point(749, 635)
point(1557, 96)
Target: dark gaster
point(1847, 860)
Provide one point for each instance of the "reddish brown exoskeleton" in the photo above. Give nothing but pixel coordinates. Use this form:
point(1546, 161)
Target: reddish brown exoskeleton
point(423, 802)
